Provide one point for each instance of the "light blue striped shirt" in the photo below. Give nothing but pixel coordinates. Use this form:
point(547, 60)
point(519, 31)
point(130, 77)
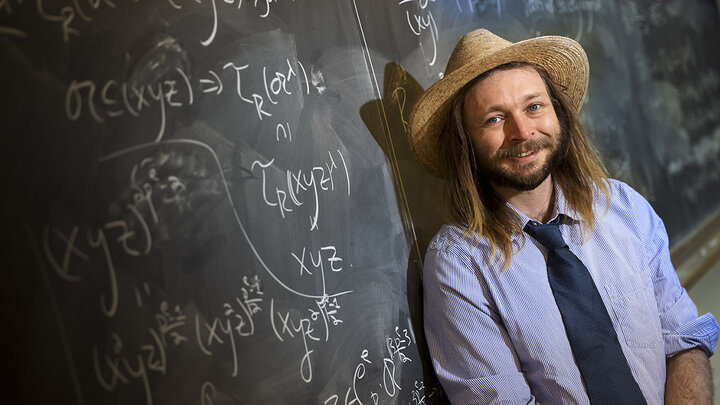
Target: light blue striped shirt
point(497, 337)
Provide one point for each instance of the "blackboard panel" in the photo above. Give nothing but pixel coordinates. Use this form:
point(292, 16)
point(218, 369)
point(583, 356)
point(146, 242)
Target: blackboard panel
point(210, 220)
point(215, 202)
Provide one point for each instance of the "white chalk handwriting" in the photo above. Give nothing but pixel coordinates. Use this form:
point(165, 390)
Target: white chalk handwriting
point(72, 15)
point(155, 183)
point(290, 327)
point(112, 98)
point(225, 187)
point(298, 183)
point(420, 21)
point(7, 7)
point(326, 254)
point(117, 99)
point(120, 365)
point(236, 322)
point(396, 344)
point(54, 239)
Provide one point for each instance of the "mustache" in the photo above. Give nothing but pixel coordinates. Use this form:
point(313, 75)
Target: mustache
point(531, 145)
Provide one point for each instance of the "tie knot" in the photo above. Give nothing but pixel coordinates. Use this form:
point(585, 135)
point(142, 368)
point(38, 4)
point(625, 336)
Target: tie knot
point(547, 234)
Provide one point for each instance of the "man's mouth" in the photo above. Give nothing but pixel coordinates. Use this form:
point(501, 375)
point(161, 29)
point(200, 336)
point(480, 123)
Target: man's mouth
point(522, 155)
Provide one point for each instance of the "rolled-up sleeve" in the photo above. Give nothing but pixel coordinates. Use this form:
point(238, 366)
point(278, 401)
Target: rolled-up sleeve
point(682, 328)
point(472, 354)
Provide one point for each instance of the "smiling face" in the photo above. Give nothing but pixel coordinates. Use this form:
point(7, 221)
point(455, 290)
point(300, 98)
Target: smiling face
point(513, 127)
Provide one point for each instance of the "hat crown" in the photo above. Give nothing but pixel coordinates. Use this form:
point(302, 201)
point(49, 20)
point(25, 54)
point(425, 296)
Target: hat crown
point(474, 45)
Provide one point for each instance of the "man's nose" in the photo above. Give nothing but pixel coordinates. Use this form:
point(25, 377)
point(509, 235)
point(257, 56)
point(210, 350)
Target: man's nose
point(519, 128)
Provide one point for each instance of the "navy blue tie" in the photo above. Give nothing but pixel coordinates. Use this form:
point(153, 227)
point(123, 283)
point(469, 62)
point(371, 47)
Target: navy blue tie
point(594, 343)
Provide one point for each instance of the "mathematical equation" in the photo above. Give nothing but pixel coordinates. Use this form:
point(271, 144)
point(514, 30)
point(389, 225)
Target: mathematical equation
point(421, 23)
point(161, 186)
point(295, 185)
point(134, 268)
point(360, 392)
point(164, 184)
point(112, 98)
point(71, 16)
point(289, 324)
point(119, 363)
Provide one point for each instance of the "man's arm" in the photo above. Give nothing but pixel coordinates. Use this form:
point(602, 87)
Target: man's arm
point(688, 338)
point(470, 349)
point(689, 379)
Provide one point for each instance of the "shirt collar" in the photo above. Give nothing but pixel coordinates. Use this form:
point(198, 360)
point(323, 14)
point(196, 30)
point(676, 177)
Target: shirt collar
point(560, 212)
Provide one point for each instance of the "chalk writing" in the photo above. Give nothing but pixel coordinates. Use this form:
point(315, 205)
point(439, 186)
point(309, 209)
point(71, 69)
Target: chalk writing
point(275, 84)
point(418, 393)
point(290, 327)
point(139, 293)
point(358, 375)
point(422, 21)
point(264, 9)
point(396, 345)
point(62, 267)
point(327, 310)
point(168, 320)
point(157, 183)
point(65, 16)
point(257, 100)
point(72, 15)
point(164, 180)
point(121, 365)
point(112, 98)
point(296, 183)
point(400, 98)
point(116, 99)
point(290, 324)
point(208, 393)
point(144, 254)
point(223, 184)
point(68, 245)
point(326, 254)
point(7, 7)
point(237, 319)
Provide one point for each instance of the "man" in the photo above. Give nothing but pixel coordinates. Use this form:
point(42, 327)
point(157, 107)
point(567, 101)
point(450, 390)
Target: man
point(551, 284)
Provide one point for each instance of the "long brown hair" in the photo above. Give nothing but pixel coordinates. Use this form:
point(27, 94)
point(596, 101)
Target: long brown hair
point(472, 202)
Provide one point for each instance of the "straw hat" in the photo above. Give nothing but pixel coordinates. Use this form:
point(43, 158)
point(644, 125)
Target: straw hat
point(479, 51)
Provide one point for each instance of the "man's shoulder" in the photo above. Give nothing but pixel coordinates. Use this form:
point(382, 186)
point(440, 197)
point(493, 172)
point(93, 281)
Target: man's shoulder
point(629, 209)
point(454, 237)
point(448, 236)
point(623, 196)
point(455, 256)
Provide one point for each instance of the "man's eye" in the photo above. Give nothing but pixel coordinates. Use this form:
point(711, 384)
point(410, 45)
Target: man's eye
point(534, 107)
point(493, 120)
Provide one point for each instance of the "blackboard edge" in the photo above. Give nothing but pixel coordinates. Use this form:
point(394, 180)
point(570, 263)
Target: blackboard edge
point(696, 254)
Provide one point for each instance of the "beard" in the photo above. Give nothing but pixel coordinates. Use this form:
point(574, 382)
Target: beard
point(528, 176)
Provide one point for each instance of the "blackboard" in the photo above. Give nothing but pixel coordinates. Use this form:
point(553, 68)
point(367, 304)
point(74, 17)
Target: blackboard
point(214, 202)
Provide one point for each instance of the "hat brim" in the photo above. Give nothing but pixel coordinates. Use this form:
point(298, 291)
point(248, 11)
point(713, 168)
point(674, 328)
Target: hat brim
point(563, 58)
